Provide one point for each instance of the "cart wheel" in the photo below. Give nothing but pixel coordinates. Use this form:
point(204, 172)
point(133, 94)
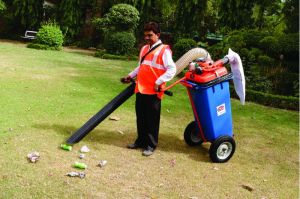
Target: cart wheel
point(222, 149)
point(191, 136)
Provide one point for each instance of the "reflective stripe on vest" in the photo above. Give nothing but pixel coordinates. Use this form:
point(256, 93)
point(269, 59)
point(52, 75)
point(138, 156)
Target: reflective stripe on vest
point(150, 70)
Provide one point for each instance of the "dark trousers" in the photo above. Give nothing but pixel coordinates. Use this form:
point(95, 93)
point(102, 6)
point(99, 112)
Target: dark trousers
point(147, 109)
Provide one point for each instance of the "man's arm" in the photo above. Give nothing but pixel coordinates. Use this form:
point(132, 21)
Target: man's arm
point(170, 66)
point(130, 76)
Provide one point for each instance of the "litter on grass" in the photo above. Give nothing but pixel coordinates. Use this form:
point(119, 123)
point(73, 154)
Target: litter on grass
point(81, 156)
point(102, 163)
point(114, 118)
point(33, 157)
point(76, 174)
point(66, 147)
point(80, 165)
point(84, 149)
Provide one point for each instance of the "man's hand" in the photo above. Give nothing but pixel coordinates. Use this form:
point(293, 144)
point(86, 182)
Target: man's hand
point(157, 88)
point(126, 80)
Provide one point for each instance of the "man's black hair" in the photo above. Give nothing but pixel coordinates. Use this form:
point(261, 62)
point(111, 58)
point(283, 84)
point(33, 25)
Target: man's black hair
point(152, 26)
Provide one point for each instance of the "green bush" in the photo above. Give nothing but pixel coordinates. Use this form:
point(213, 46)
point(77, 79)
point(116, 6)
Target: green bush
point(270, 45)
point(289, 45)
point(100, 53)
point(121, 17)
point(41, 46)
point(277, 101)
point(247, 54)
point(236, 42)
point(50, 35)
point(218, 50)
point(256, 52)
point(119, 43)
point(265, 61)
point(285, 84)
point(115, 57)
point(182, 46)
point(252, 37)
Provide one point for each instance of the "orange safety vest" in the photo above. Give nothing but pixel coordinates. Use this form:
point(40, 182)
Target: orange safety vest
point(150, 70)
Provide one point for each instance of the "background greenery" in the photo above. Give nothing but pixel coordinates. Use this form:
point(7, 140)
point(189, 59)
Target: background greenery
point(265, 33)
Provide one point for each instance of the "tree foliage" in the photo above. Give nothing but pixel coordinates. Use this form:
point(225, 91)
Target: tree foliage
point(236, 14)
point(29, 13)
point(267, 13)
point(2, 6)
point(70, 16)
point(190, 16)
point(121, 17)
point(291, 15)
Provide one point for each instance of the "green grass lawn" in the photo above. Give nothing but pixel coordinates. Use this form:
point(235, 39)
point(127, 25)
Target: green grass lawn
point(47, 95)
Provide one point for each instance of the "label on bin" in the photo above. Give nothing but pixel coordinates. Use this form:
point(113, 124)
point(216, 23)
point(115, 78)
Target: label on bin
point(221, 109)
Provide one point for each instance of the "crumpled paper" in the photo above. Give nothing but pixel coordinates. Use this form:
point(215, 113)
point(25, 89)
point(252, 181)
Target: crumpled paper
point(76, 174)
point(81, 156)
point(84, 149)
point(102, 163)
point(33, 157)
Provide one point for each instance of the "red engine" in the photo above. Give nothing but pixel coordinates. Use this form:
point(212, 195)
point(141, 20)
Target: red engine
point(206, 71)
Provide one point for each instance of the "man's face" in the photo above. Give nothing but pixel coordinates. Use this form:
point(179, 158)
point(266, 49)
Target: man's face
point(150, 37)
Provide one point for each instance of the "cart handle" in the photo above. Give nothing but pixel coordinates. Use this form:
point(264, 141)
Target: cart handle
point(165, 90)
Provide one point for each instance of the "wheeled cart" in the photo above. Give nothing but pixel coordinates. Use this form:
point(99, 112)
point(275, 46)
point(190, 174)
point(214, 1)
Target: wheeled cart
point(208, 89)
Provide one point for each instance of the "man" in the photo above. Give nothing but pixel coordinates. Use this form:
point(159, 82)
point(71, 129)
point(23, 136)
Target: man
point(156, 67)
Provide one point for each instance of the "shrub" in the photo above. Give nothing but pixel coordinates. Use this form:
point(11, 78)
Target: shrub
point(119, 43)
point(277, 101)
point(50, 35)
point(104, 55)
point(41, 46)
point(100, 53)
point(236, 42)
point(182, 46)
point(218, 50)
point(256, 52)
point(289, 45)
point(119, 57)
point(285, 83)
point(252, 37)
point(270, 45)
point(121, 17)
point(265, 61)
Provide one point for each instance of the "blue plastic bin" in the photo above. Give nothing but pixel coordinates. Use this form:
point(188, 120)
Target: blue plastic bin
point(212, 109)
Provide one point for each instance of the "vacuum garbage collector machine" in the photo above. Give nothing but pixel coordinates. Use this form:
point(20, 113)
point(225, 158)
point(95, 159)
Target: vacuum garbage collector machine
point(207, 84)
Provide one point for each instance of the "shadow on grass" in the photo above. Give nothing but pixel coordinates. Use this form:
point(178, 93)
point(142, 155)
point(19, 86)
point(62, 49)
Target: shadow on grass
point(167, 143)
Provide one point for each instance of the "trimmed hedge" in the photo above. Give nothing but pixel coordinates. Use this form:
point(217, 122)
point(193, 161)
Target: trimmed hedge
point(182, 46)
point(103, 55)
point(119, 43)
point(41, 47)
point(277, 101)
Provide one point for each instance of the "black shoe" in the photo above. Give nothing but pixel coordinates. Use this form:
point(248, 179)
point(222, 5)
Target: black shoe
point(148, 151)
point(132, 146)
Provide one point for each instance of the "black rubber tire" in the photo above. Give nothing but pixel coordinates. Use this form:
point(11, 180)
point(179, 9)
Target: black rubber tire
point(191, 136)
point(221, 155)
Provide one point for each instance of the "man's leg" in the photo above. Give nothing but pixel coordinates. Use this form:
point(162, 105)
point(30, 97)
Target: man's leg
point(140, 120)
point(153, 110)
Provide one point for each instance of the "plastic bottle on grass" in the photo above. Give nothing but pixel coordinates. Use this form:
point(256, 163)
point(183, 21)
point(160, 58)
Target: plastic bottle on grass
point(66, 147)
point(80, 165)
